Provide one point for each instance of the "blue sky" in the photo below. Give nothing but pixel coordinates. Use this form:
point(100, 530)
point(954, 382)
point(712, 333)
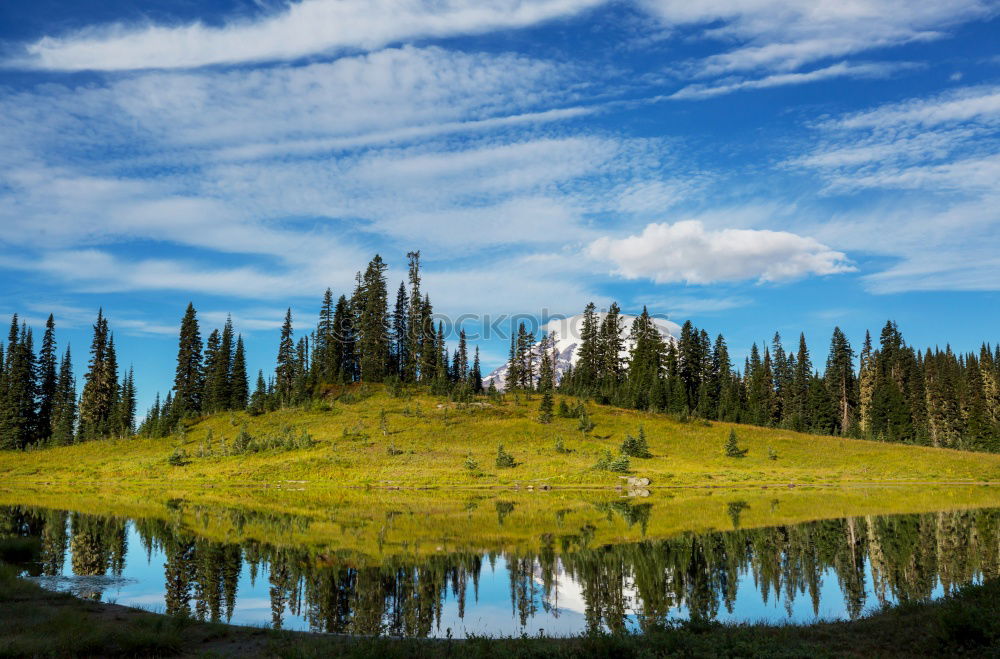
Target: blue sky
point(754, 165)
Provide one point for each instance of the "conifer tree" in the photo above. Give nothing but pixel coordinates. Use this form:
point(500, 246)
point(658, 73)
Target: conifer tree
point(771, 417)
point(430, 354)
point(525, 358)
point(476, 376)
point(64, 403)
point(513, 376)
point(587, 369)
point(189, 377)
point(259, 400)
point(218, 370)
point(758, 395)
point(415, 324)
point(610, 347)
point(123, 424)
point(866, 386)
point(325, 359)
point(300, 387)
point(689, 362)
point(546, 382)
point(373, 323)
point(645, 362)
point(719, 386)
point(800, 387)
point(990, 375)
point(976, 434)
point(100, 387)
point(239, 386)
point(47, 381)
point(211, 369)
point(400, 332)
point(840, 381)
point(462, 359)
point(783, 369)
point(284, 374)
point(150, 426)
point(344, 341)
point(18, 410)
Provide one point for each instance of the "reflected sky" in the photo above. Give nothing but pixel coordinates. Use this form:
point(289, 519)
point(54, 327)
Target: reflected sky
point(831, 569)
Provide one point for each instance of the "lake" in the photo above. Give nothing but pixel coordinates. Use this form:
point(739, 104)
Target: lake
point(434, 565)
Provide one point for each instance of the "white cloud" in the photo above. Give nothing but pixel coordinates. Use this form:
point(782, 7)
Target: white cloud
point(839, 70)
point(782, 35)
point(303, 28)
point(945, 143)
point(283, 178)
point(929, 168)
point(688, 252)
point(975, 104)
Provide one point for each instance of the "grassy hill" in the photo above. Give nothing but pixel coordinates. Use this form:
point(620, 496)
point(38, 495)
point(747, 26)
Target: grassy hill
point(366, 437)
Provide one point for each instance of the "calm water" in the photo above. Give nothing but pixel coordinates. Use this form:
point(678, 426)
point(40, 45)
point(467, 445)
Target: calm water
point(833, 569)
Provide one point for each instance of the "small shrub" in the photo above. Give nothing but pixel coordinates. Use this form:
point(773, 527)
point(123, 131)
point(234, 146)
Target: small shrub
point(471, 464)
point(504, 459)
point(732, 448)
point(585, 425)
point(563, 410)
point(205, 448)
point(607, 462)
point(636, 447)
point(383, 423)
point(178, 458)
point(392, 450)
point(242, 441)
point(355, 432)
point(395, 387)
point(560, 447)
point(771, 454)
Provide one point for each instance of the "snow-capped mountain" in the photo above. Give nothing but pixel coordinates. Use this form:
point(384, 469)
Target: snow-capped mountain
point(566, 332)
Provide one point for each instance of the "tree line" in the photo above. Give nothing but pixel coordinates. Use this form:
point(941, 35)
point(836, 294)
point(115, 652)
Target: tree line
point(897, 393)
point(892, 392)
point(356, 339)
point(38, 392)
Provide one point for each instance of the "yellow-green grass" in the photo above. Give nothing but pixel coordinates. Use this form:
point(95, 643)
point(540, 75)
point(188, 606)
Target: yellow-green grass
point(374, 526)
point(433, 440)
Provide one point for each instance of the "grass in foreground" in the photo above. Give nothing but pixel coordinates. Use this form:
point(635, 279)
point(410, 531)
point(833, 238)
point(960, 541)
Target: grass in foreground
point(42, 623)
point(368, 437)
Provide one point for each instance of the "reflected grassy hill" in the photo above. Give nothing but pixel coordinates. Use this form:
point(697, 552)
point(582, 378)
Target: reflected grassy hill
point(367, 437)
point(371, 527)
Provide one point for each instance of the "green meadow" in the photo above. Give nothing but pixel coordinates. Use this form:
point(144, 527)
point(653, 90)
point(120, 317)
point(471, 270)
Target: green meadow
point(367, 437)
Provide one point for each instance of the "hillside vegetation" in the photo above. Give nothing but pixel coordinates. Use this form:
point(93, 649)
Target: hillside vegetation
point(365, 436)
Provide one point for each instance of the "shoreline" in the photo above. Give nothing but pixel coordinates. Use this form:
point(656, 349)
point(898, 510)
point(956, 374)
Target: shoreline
point(964, 623)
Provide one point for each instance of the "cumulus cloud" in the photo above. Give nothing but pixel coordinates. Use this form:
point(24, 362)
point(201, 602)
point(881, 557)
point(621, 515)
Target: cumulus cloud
point(688, 252)
point(303, 28)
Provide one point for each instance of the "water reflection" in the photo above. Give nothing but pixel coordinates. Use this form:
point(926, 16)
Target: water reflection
point(834, 568)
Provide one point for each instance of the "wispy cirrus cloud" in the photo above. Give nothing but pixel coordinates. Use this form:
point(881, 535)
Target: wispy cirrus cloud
point(934, 161)
point(839, 70)
point(453, 152)
point(947, 142)
point(302, 28)
point(777, 35)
